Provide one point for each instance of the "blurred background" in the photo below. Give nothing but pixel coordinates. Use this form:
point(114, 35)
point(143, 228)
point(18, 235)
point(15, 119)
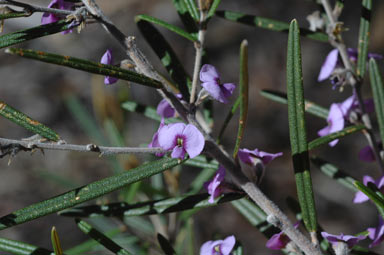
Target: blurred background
point(64, 98)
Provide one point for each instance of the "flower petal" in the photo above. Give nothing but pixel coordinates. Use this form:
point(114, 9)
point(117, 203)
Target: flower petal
point(165, 110)
point(213, 186)
point(168, 135)
point(178, 152)
point(107, 58)
point(215, 91)
point(194, 141)
point(206, 248)
point(209, 73)
point(366, 154)
point(277, 241)
point(329, 65)
point(227, 245)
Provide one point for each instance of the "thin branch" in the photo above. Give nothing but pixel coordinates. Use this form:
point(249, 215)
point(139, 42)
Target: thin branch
point(29, 8)
point(102, 150)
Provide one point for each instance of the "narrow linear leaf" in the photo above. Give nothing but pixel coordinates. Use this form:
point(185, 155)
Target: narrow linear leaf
point(86, 193)
point(20, 248)
point(175, 29)
point(192, 9)
point(101, 238)
point(163, 206)
point(188, 22)
point(373, 195)
point(269, 24)
point(229, 117)
point(26, 122)
point(213, 8)
point(11, 14)
point(335, 173)
point(56, 242)
point(297, 128)
point(87, 66)
point(167, 56)
point(33, 33)
point(378, 94)
point(165, 245)
point(243, 93)
point(362, 49)
point(147, 111)
point(310, 107)
point(333, 136)
point(202, 162)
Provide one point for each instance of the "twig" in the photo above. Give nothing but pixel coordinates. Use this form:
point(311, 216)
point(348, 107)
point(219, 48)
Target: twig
point(29, 8)
point(103, 150)
point(337, 41)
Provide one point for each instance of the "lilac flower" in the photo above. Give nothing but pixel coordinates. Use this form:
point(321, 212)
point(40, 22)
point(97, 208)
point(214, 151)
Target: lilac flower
point(218, 247)
point(165, 110)
point(107, 59)
point(376, 234)
point(181, 138)
point(48, 18)
point(253, 162)
point(210, 79)
point(349, 240)
point(280, 240)
point(360, 197)
point(155, 139)
point(214, 187)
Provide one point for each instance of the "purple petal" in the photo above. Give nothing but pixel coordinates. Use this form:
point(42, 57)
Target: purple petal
point(376, 234)
point(165, 110)
point(178, 152)
point(228, 89)
point(350, 240)
point(360, 197)
point(335, 123)
point(380, 182)
point(208, 73)
point(107, 58)
point(213, 185)
point(347, 105)
point(324, 131)
point(215, 91)
point(329, 65)
point(353, 240)
point(247, 156)
point(155, 139)
point(277, 241)
point(206, 248)
point(48, 18)
point(375, 56)
point(194, 141)
point(366, 154)
point(352, 54)
point(227, 245)
point(108, 80)
point(168, 135)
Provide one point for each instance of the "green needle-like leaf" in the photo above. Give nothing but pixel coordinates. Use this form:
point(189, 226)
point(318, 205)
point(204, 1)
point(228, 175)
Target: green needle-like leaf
point(165, 245)
point(213, 8)
point(374, 195)
point(189, 23)
point(20, 248)
point(243, 93)
point(365, 21)
point(26, 122)
point(11, 14)
point(378, 94)
point(269, 24)
point(163, 206)
point(88, 66)
point(56, 242)
point(175, 29)
point(101, 238)
point(310, 107)
point(86, 193)
point(333, 136)
point(166, 54)
point(33, 33)
point(202, 162)
point(297, 128)
point(335, 173)
point(147, 111)
point(192, 9)
point(229, 117)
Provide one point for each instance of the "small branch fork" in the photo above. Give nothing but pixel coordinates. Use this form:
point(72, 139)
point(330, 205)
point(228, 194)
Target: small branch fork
point(337, 42)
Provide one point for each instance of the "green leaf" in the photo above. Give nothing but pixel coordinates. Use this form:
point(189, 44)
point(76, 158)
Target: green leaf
point(175, 29)
point(189, 23)
point(87, 66)
point(86, 193)
point(374, 195)
point(101, 238)
point(147, 111)
point(243, 93)
point(20, 248)
point(269, 24)
point(213, 8)
point(33, 33)
point(378, 94)
point(365, 21)
point(202, 162)
point(167, 56)
point(297, 128)
point(165, 245)
point(26, 122)
point(56, 242)
point(335, 173)
point(204, 175)
point(310, 107)
point(11, 14)
point(229, 117)
point(333, 136)
point(192, 9)
point(163, 206)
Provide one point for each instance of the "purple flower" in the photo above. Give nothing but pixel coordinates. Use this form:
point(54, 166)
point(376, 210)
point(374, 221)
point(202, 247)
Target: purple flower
point(360, 197)
point(180, 139)
point(280, 240)
point(155, 139)
point(210, 79)
point(253, 162)
point(165, 110)
point(214, 187)
point(107, 59)
point(48, 18)
point(218, 247)
point(366, 154)
point(349, 240)
point(376, 234)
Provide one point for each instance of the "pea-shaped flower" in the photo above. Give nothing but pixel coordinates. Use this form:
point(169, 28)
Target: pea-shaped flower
point(218, 247)
point(107, 59)
point(180, 139)
point(210, 79)
point(48, 18)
